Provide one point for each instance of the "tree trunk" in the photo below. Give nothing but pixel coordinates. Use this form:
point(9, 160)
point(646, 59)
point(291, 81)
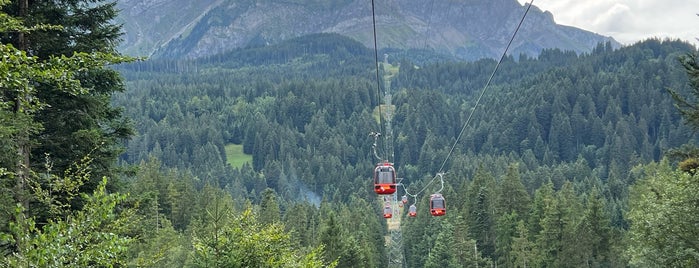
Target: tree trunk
point(23, 146)
point(23, 141)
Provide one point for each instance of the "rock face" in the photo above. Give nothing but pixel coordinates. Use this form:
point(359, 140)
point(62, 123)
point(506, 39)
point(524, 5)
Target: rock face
point(465, 29)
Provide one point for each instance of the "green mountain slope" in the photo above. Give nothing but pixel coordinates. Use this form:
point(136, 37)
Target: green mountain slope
point(608, 108)
point(559, 129)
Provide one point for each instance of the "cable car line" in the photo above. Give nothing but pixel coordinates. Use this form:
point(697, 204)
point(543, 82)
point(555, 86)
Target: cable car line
point(440, 172)
point(441, 179)
point(384, 172)
point(378, 79)
point(475, 106)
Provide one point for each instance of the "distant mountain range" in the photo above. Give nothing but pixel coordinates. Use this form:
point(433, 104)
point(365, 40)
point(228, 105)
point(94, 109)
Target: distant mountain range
point(464, 29)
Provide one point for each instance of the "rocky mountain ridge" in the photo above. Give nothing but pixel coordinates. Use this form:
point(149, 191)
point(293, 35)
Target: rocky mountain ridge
point(465, 29)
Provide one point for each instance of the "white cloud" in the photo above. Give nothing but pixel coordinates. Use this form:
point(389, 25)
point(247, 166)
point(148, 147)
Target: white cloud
point(618, 16)
point(628, 21)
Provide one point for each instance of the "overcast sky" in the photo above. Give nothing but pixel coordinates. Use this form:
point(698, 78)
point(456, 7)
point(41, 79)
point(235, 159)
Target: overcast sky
point(628, 21)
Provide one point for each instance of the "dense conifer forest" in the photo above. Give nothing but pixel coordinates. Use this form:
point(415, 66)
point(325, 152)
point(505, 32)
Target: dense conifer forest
point(261, 157)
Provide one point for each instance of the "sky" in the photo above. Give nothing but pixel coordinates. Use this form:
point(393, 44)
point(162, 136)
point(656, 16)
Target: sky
point(628, 21)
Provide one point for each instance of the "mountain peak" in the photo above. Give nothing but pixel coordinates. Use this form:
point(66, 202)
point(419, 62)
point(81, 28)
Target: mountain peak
point(465, 29)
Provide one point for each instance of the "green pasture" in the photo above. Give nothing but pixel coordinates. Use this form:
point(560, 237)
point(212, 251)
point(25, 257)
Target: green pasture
point(235, 155)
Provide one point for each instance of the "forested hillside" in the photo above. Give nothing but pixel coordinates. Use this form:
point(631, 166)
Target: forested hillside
point(262, 157)
point(561, 128)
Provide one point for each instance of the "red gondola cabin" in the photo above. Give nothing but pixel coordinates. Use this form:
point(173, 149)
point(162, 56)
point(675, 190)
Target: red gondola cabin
point(387, 212)
point(412, 211)
point(438, 206)
point(404, 199)
point(385, 178)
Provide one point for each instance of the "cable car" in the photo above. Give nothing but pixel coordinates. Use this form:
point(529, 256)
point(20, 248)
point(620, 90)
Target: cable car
point(387, 212)
point(404, 199)
point(438, 206)
point(412, 211)
point(385, 178)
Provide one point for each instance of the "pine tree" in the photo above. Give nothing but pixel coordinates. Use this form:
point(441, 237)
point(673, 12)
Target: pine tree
point(20, 106)
point(571, 210)
point(524, 252)
point(512, 196)
point(301, 223)
point(542, 198)
point(548, 239)
point(595, 233)
point(688, 106)
point(663, 218)
point(86, 26)
point(441, 253)
point(331, 238)
point(506, 233)
point(480, 211)
point(269, 207)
